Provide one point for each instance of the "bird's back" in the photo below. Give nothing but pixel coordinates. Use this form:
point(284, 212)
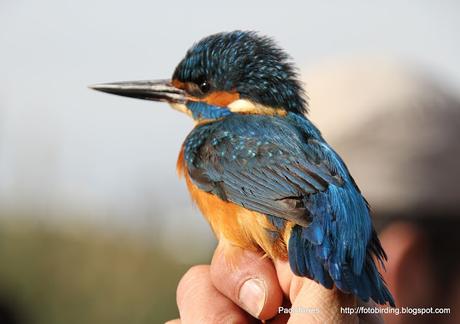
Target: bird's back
point(272, 182)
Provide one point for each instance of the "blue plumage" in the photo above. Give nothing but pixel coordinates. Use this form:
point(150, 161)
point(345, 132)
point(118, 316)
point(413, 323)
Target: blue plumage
point(281, 167)
point(201, 110)
point(245, 62)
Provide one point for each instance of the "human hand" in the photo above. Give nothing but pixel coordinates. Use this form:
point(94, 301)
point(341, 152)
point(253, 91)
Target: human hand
point(241, 283)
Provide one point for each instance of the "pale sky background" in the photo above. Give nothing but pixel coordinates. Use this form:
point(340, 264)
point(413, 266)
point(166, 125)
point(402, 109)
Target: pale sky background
point(110, 160)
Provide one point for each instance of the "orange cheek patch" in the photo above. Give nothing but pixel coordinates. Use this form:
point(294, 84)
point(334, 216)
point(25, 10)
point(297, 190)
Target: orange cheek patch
point(221, 98)
point(178, 84)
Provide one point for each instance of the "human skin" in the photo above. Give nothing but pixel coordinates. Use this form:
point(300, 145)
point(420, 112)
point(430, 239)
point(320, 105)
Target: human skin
point(241, 283)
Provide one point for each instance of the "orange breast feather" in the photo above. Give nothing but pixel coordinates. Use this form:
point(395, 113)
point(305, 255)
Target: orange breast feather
point(241, 227)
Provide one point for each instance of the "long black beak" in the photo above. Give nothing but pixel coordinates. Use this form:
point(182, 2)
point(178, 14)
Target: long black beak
point(160, 90)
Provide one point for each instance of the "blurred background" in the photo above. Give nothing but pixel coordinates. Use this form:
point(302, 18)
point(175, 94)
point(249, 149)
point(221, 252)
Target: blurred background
point(96, 227)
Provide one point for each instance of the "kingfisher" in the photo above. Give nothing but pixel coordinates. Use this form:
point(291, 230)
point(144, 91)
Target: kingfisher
point(259, 170)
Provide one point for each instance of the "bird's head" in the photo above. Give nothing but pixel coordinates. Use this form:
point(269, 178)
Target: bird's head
point(226, 73)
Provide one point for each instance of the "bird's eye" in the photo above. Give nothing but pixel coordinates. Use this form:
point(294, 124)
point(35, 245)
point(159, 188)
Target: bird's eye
point(204, 86)
point(198, 88)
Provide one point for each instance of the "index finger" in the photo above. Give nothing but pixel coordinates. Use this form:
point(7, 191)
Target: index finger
point(248, 279)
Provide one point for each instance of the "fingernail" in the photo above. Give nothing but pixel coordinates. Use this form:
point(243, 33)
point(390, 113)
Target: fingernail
point(252, 296)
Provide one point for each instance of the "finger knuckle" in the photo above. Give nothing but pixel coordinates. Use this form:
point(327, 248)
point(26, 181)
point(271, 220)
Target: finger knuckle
point(193, 276)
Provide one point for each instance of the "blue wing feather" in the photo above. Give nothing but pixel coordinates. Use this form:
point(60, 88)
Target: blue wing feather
point(283, 168)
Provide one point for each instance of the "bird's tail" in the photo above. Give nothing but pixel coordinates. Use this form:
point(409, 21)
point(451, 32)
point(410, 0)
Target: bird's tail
point(317, 262)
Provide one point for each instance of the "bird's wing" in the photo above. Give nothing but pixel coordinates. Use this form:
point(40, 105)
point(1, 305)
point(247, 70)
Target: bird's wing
point(287, 171)
point(269, 168)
